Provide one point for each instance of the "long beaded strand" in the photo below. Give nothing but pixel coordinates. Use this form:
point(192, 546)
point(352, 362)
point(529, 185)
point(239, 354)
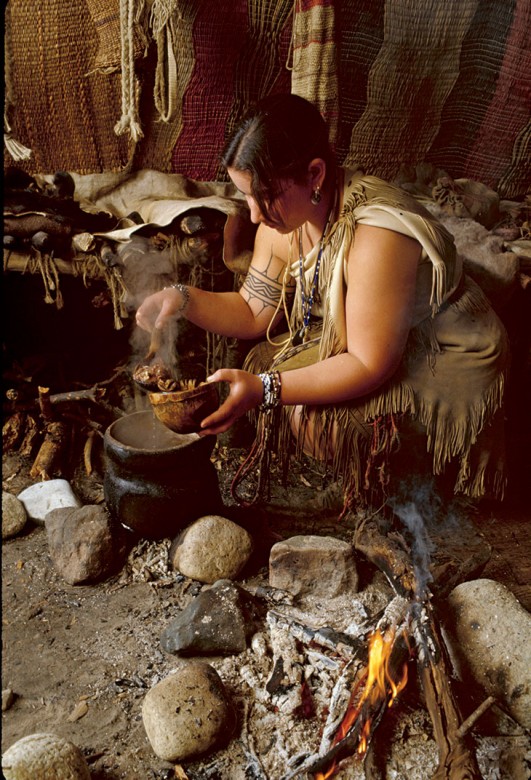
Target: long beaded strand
point(307, 303)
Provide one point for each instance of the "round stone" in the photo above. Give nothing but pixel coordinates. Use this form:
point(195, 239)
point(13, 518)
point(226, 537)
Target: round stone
point(42, 497)
point(42, 757)
point(188, 713)
point(213, 548)
point(490, 635)
point(14, 515)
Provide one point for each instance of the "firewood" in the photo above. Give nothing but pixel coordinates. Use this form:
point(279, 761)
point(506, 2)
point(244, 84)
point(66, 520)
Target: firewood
point(44, 403)
point(284, 684)
point(456, 757)
point(254, 766)
point(325, 636)
point(339, 702)
point(270, 595)
point(388, 556)
point(31, 436)
point(369, 716)
point(94, 394)
point(467, 724)
point(457, 760)
point(48, 460)
point(87, 452)
point(13, 431)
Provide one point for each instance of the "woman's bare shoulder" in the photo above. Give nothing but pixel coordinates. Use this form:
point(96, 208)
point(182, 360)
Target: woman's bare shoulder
point(269, 242)
point(384, 242)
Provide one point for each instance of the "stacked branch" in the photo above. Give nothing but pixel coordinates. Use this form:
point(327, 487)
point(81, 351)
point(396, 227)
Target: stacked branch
point(457, 759)
point(49, 423)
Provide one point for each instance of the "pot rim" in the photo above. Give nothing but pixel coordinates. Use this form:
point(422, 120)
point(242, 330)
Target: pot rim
point(111, 438)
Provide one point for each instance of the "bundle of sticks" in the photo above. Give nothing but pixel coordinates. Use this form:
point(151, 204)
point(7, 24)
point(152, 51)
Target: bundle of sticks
point(375, 671)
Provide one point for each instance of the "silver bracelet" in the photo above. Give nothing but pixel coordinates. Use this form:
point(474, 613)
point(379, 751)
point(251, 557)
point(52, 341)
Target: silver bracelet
point(185, 292)
point(272, 386)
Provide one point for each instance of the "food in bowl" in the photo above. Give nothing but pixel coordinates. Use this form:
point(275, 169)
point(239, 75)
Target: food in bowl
point(155, 377)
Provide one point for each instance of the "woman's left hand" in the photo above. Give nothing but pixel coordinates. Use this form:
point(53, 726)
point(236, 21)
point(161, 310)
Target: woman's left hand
point(246, 391)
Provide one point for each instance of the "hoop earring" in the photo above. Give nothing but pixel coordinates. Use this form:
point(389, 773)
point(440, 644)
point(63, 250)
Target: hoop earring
point(316, 196)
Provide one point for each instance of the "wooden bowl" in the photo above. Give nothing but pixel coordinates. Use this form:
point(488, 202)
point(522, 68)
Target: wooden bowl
point(183, 410)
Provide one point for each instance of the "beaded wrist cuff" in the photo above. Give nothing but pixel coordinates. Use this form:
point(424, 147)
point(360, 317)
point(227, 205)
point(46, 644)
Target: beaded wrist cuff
point(272, 386)
point(185, 292)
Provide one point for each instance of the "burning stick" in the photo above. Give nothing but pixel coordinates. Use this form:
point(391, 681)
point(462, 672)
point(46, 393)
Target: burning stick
point(456, 757)
point(339, 702)
point(362, 695)
point(382, 684)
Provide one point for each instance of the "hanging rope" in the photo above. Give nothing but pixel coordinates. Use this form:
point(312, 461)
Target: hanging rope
point(129, 121)
point(290, 63)
point(164, 28)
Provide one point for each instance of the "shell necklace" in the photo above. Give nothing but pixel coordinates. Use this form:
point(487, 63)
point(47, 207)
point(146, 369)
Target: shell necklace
point(301, 336)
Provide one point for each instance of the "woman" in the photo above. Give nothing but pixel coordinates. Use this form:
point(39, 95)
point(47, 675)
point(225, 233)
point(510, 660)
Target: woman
point(385, 332)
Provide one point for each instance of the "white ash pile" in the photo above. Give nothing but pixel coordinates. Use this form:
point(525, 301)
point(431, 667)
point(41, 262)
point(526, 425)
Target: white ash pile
point(287, 663)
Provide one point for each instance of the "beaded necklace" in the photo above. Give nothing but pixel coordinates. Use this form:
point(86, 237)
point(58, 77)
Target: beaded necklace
point(307, 302)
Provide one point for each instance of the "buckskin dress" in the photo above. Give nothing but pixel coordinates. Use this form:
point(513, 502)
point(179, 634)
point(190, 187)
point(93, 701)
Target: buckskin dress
point(448, 388)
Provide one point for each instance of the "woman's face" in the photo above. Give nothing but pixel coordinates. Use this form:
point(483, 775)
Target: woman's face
point(287, 212)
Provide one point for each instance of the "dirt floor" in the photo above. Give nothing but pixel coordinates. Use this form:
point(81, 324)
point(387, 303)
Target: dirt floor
point(79, 659)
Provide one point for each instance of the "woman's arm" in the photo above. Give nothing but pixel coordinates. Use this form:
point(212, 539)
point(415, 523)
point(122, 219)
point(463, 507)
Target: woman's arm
point(382, 268)
point(245, 314)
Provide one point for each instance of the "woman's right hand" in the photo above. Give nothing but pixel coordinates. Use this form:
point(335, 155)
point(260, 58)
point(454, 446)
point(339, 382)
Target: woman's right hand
point(158, 309)
point(245, 392)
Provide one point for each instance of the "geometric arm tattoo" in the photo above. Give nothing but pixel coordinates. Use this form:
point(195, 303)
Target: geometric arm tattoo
point(260, 287)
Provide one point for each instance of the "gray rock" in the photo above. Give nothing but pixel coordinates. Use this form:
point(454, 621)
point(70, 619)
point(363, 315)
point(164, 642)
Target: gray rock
point(43, 757)
point(210, 549)
point(14, 515)
point(489, 633)
point(8, 699)
point(189, 713)
point(221, 621)
point(42, 497)
point(82, 544)
point(320, 566)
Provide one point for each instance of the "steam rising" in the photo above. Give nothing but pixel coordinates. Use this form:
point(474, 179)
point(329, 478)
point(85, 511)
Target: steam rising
point(146, 270)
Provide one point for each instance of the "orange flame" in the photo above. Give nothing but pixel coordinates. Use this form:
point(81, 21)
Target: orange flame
point(379, 686)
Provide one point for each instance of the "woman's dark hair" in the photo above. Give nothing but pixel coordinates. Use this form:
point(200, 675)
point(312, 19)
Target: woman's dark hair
point(276, 141)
